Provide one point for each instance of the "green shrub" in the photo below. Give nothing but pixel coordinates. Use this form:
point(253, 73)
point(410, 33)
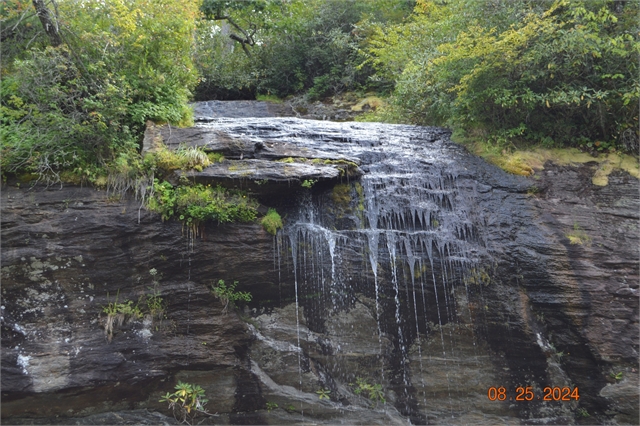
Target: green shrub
point(271, 222)
point(186, 402)
point(373, 392)
point(553, 72)
point(228, 295)
point(308, 183)
point(78, 107)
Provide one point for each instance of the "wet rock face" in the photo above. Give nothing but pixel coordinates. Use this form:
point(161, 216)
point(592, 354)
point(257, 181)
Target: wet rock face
point(67, 254)
point(400, 295)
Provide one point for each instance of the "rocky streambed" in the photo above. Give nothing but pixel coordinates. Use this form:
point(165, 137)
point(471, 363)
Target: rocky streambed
point(405, 265)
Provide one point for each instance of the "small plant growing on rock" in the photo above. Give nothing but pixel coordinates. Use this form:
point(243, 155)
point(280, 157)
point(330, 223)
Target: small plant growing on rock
point(582, 412)
point(616, 376)
point(308, 183)
point(215, 157)
point(193, 158)
point(271, 406)
point(228, 295)
point(373, 392)
point(155, 303)
point(286, 160)
point(118, 313)
point(578, 236)
point(186, 402)
point(323, 393)
point(271, 222)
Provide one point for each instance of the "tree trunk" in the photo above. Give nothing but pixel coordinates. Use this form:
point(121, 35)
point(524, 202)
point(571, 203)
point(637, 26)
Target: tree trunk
point(49, 22)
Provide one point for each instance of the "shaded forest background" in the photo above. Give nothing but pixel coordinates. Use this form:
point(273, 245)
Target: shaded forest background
point(80, 78)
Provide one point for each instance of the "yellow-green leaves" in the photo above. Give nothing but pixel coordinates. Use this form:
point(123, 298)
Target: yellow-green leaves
point(560, 72)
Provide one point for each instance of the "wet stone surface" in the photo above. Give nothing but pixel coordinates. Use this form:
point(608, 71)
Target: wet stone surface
point(400, 292)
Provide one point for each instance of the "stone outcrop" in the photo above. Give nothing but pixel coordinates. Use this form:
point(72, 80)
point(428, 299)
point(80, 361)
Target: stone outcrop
point(552, 302)
point(251, 160)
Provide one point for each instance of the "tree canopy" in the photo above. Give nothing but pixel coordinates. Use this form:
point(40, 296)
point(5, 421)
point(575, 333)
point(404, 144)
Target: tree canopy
point(81, 77)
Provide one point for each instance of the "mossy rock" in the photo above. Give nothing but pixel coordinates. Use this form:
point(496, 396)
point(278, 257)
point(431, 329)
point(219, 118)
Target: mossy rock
point(368, 103)
point(526, 163)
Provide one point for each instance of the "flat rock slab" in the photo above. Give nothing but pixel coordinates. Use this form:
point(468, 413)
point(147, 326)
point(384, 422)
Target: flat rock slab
point(232, 146)
point(250, 158)
point(266, 170)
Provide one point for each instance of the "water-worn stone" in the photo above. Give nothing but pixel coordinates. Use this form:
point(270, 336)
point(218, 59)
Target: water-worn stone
point(251, 160)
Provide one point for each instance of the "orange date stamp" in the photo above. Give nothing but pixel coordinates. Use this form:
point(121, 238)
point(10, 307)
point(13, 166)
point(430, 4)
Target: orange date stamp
point(526, 393)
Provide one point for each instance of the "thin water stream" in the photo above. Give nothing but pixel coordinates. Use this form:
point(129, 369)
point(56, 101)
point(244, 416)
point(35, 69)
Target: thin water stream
point(406, 216)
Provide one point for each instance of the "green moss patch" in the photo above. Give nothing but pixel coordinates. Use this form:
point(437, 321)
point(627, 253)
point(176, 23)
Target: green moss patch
point(368, 103)
point(271, 222)
point(527, 162)
point(194, 204)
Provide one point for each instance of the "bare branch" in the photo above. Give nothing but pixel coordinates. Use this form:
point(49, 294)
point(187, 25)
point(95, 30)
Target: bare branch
point(6, 33)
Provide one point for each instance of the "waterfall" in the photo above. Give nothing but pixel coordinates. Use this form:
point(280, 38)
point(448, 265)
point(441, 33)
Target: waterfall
point(400, 236)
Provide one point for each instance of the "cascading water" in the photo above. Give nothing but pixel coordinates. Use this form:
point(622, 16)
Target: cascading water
point(401, 235)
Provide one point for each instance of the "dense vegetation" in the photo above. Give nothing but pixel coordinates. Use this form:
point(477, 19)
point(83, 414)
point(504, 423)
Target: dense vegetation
point(557, 73)
point(81, 77)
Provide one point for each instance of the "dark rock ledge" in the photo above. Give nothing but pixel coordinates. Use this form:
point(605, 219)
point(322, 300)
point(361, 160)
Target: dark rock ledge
point(250, 164)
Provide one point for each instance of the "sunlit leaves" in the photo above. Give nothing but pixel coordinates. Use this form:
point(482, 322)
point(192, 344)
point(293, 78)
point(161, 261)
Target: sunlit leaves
point(564, 70)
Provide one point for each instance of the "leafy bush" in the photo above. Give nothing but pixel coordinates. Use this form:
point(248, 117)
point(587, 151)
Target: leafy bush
point(79, 106)
point(186, 402)
point(559, 72)
point(373, 392)
point(228, 295)
point(53, 120)
point(304, 45)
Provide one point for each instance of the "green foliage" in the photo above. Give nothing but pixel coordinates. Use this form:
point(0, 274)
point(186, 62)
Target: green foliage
point(118, 313)
point(616, 376)
point(79, 106)
point(192, 158)
point(578, 236)
point(194, 204)
point(165, 161)
point(303, 45)
point(559, 72)
point(155, 303)
point(341, 195)
point(373, 392)
point(308, 183)
point(186, 402)
point(269, 98)
point(324, 393)
point(228, 294)
point(271, 222)
point(582, 412)
point(286, 160)
point(271, 406)
point(215, 157)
